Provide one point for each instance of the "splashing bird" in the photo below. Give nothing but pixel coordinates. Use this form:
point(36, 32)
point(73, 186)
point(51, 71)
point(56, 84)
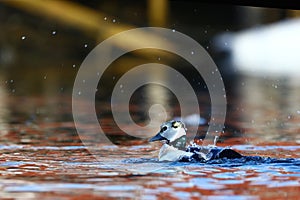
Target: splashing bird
point(173, 133)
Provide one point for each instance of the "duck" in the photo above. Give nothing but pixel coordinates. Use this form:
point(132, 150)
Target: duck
point(173, 135)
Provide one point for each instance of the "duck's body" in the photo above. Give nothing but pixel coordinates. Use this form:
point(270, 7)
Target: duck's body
point(174, 133)
point(170, 153)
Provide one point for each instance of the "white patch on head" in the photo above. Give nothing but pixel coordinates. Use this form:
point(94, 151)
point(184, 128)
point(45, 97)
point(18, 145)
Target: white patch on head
point(172, 130)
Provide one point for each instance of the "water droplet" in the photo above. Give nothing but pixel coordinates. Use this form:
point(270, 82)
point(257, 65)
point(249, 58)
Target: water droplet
point(113, 20)
point(62, 89)
point(158, 58)
point(289, 117)
point(83, 81)
point(23, 37)
point(74, 66)
point(205, 31)
point(105, 18)
point(173, 30)
point(45, 77)
point(11, 80)
point(192, 52)
point(121, 86)
point(13, 90)
point(216, 139)
point(113, 77)
point(298, 111)
point(85, 45)
point(79, 93)
point(53, 32)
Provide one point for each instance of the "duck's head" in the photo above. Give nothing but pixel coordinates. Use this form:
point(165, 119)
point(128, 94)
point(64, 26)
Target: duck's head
point(173, 132)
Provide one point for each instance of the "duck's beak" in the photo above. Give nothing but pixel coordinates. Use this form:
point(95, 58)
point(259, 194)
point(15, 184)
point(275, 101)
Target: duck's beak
point(157, 137)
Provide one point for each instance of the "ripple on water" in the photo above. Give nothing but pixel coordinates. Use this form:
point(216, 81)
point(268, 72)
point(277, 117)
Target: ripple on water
point(235, 197)
point(226, 175)
point(283, 184)
point(183, 185)
point(230, 182)
point(33, 187)
point(137, 175)
point(264, 148)
point(206, 183)
point(113, 190)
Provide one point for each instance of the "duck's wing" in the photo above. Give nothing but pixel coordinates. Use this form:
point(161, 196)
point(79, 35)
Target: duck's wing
point(197, 154)
point(206, 153)
point(229, 153)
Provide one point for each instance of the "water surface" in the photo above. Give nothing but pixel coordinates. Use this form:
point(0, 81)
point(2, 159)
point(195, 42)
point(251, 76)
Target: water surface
point(42, 155)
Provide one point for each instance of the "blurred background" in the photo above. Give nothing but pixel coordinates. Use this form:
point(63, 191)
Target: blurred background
point(43, 43)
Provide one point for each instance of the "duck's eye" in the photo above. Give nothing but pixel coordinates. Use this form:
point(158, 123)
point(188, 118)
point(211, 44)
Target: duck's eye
point(163, 129)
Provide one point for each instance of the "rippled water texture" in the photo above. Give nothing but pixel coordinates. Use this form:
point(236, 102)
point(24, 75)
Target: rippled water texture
point(70, 171)
point(43, 157)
